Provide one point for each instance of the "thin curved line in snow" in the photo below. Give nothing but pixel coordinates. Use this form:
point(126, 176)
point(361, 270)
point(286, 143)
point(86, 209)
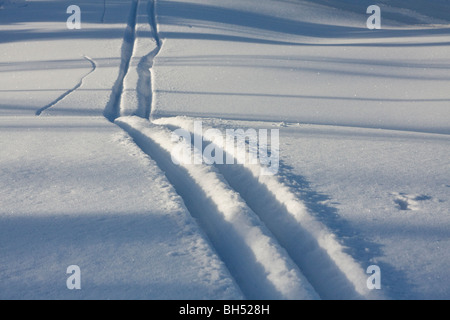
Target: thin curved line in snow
point(104, 11)
point(67, 93)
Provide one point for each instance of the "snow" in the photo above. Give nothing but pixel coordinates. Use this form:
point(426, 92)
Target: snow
point(263, 268)
point(11, 2)
point(307, 241)
point(79, 192)
point(327, 69)
point(87, 122)
point(390, 192)
point(383, 194)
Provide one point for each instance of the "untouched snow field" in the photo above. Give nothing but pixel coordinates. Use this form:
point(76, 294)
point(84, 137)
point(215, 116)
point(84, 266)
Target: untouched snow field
point(87, 177)
point(301, 62)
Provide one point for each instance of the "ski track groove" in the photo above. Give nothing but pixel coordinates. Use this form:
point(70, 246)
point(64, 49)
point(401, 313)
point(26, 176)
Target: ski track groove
point(145, 66)
point(273, 248)
point(112, 109)
point(259, 265)
point(69, 92)
point(317, 252)
point(255, 260)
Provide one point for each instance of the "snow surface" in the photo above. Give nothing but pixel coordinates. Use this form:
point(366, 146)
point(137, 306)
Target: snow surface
point(235, 60)
point(86, 123)
point(79, 192)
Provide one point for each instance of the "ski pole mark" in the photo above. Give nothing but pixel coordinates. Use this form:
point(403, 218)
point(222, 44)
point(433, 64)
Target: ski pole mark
point(67, 93)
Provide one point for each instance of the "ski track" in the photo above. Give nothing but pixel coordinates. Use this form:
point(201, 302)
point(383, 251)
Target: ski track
point(312, 246)
point(273, 247)
point(144, 82)
point(112, 109)
point(67, 93)
point(260, 266)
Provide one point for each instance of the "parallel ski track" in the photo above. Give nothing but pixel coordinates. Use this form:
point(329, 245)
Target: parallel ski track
point(290, 233)
point(317, 252)
point(260, 267)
